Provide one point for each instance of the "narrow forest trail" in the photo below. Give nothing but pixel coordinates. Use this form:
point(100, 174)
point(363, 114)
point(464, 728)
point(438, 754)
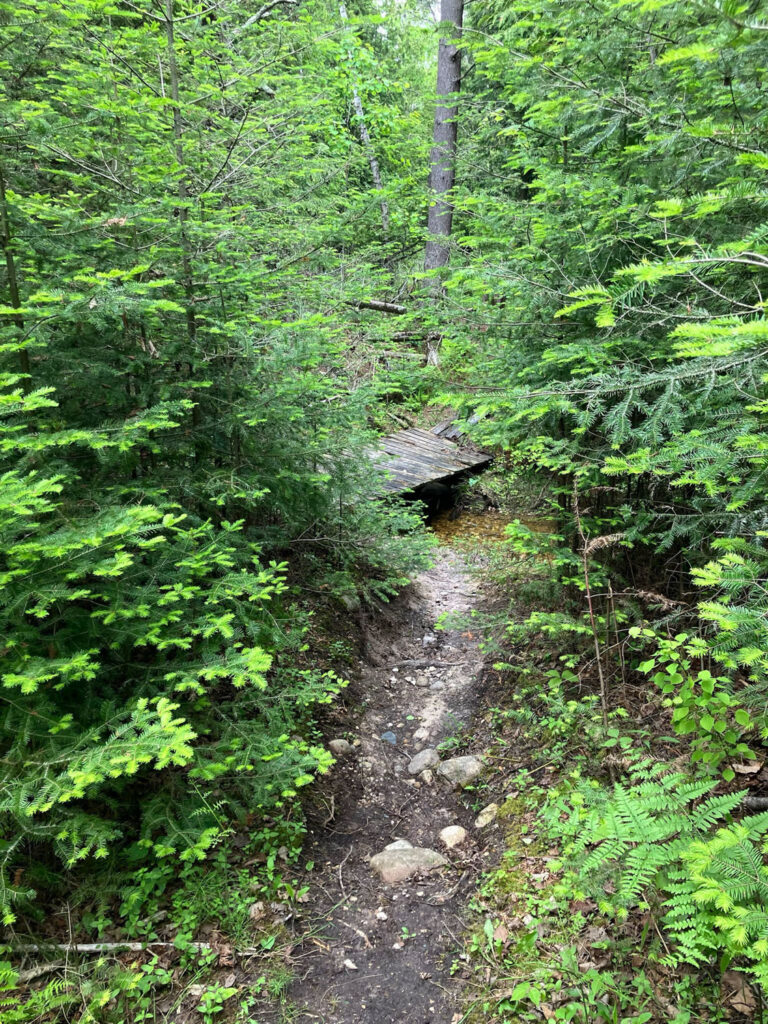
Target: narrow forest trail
point(379, 953)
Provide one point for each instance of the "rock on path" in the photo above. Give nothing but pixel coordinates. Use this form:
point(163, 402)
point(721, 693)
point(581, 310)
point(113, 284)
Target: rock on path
point(400, 860)
point(453, 835)
point(487, 816)
point(425, 759)
point(460, 771)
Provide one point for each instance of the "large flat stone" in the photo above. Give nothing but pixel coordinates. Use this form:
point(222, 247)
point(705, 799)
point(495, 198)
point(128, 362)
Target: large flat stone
point(396, 865)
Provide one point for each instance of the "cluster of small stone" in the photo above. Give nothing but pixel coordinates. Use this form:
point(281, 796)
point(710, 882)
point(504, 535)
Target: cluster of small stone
point(401, 859)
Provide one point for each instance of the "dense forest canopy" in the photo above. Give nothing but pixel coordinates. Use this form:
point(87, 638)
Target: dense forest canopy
point(240, 244)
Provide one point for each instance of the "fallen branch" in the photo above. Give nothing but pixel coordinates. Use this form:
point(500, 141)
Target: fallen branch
point(37, 972)
point(381, 307)
point(115, 947)
point(426, 663)
point(755, 803)
point(415, 336)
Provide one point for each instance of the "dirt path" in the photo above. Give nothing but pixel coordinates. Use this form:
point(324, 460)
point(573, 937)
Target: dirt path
point(381, 953)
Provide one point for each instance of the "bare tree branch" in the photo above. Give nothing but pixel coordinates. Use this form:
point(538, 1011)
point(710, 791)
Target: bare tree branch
point(255, 18)
point(380, 307)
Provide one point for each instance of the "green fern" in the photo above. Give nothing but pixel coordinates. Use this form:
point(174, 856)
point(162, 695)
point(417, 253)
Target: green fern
point(30, 1006)
point(719, 900)
point(654, 834)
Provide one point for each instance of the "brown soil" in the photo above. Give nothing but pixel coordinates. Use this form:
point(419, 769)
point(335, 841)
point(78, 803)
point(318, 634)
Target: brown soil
point(373, 953)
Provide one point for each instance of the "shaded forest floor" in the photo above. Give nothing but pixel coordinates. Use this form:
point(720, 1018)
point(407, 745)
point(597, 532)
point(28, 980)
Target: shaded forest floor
point(373, 951)
point(497, 933)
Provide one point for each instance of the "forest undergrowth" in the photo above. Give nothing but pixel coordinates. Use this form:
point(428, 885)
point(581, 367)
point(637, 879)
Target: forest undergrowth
point(231, 260)
point(626, 886)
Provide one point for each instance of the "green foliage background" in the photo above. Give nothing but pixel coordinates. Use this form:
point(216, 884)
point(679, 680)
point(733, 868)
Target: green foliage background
point(189, 385)
point(604, 326)
point(180, 194)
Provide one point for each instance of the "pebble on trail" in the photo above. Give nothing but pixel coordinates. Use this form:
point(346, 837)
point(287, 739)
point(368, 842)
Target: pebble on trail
point(453, 835)
point(487, 815)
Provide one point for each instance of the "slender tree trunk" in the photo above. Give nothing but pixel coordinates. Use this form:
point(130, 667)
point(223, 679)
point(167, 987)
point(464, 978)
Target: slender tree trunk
point(183, 194)
point(13, 281)
point(178, 137)
point(365, 138)
point(584, 552)
point(442, 158)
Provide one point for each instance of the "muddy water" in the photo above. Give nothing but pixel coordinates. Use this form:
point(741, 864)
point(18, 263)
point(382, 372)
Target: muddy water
point(482, 527)
point(470, 526)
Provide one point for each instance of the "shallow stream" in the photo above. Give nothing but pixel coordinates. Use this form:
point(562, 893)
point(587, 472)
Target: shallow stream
point(488, 525)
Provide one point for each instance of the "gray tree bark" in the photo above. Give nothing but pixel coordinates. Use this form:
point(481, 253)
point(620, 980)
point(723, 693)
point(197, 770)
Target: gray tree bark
point(13, 283)
point(365, 138)
point(442, 158)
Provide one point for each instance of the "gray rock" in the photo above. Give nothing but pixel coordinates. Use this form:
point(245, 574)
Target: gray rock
point(487, 815)
point(426, 758)
point(399, 844)
point(396, 865)
point(427, 777)
point(460, 771)
point(388, 737)
point(453, 835)
point(340, 747)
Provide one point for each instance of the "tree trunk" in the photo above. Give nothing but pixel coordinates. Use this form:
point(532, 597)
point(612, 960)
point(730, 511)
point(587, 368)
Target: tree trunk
point(13, 285)
point(365, 138)
point(183, 194)
point(442, 159)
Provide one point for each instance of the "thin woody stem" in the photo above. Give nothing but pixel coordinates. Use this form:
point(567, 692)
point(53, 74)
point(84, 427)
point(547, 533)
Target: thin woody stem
point(588, 590)
point(13, 281)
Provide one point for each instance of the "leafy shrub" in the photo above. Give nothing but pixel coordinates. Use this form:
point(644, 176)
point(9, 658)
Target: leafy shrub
point(704, 707)
point(137, 638)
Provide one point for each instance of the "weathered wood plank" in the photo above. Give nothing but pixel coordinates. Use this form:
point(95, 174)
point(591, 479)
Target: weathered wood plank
point(414, 457)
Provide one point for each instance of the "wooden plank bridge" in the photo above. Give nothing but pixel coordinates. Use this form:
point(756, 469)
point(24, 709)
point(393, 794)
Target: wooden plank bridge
point(413, 457)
